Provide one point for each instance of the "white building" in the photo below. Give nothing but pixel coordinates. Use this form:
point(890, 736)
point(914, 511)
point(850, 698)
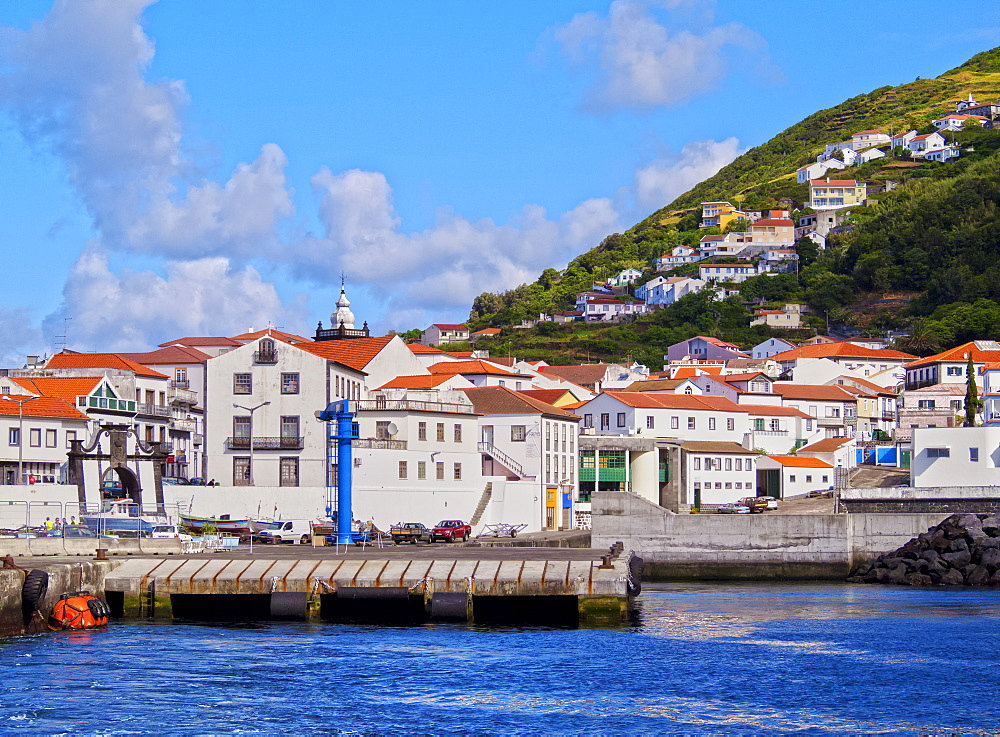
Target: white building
point(771, 347)
point(955, 456)
point(793, 475)
point(686, 416)
point(38, 431)
point(445, 333)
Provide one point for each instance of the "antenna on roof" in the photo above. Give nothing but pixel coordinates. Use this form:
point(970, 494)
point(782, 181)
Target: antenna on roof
point(65, 331)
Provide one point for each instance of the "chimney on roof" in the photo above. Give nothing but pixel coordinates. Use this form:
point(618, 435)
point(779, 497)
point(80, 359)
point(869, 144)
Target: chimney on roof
point(32, 360)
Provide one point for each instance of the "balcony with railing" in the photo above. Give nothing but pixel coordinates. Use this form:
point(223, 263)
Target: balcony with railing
point(180, 384)
point(405, 405)
point(182, 396)
point(771, 432)
point(267, 355)
point(265, 443)
point(184, 425)
point(152, 410)
point(379, 444)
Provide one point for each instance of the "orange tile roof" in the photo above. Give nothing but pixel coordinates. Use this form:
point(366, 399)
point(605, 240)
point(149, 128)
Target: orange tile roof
point(549, 396)
point(959, 353)
point(287, 337)
point(67, 388)
point(856, 390)
point(487, 331)
point(581, 374)
point(812, 391)
point(444, 326)
point(833, 183)
point(746, 376)
point(100, 361)
point(840, 350)
point(470, 367)
point(460, 354)
point(826, 445)
point(675, 401)
point(870, 385)
point(355, 353)
point(690, 372)
point(786, 222)
point(797, 462)
point(42, 407)
point(425, 381)
point(421, 348)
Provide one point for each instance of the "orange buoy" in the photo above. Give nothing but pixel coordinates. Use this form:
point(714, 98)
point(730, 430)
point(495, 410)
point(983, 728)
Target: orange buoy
point(79, 611)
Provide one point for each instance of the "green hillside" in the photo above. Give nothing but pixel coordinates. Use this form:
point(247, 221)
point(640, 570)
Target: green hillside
point(929, 244)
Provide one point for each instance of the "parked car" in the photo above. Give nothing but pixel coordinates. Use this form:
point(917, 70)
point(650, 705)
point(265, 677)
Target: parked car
point(287, 531)
point(757, 504)
point(772, 503)
point(733, 508)
point(73, 531)
point(175, 481)
point(451, 530)
point(176, 532)
point(413, 532)
point(112, 489)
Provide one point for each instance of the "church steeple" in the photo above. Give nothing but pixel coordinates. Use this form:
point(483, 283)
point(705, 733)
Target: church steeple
point(342, 317)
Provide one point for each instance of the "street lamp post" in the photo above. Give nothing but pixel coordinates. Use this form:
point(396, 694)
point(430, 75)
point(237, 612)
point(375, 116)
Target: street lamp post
point(20, 433)
point(251, 410)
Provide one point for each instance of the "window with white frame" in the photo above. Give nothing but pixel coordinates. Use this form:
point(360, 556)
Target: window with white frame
point(517, 433)
point(675, 423)
point(650, 422)
point(50, 439)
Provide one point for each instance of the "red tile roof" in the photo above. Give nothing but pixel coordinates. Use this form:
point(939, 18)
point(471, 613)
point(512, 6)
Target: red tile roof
point(583, 374)
point(443, 326)
point(168, 355)
point(41, 407)
point(860, 133)
point(100, 361)
point(870, 385)
point(689, 372)
point(196, 341)
point(425, 381)
point(470, 367)
point(796, 461)
point(833, 183)
point(67, 388)
point(487, 331)
point(355, 353)
point(959, 353)
point(840, 350)
point(775, 221)
point(287, 337)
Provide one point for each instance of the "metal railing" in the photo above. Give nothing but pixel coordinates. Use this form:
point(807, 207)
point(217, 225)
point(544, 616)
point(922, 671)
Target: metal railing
point(378, 444)
point(405, 405)
point(265, 443)
point(184, 425)
point(267, 356)
point(180, 384)
point(491, 450)
point(152, 410)
point(182, 396)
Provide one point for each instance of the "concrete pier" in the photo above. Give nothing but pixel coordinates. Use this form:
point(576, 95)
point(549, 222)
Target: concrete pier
point(468, 584)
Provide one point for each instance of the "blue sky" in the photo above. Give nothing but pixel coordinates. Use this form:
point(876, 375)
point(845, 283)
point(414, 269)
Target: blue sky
point(202, 167)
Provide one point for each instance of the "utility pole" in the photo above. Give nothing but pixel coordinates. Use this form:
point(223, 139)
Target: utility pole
point(251, 410)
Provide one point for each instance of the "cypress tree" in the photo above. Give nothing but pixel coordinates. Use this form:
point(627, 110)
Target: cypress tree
point(972, 401)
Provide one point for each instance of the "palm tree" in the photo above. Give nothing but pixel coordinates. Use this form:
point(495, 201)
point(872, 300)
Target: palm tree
point(923, 338)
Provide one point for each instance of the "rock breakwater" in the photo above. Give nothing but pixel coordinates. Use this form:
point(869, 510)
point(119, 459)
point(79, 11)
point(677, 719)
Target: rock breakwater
point(963, 550)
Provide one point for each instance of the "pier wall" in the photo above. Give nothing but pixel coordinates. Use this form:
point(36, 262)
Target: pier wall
point(63, 578)
point(748, 546)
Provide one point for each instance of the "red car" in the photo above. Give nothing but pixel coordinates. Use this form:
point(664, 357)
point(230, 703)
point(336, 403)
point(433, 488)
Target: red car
point(451, 530)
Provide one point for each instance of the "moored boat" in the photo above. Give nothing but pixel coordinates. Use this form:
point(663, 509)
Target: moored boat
point(223, 523)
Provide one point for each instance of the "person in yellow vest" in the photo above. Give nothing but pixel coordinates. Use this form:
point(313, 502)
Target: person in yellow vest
point(49, 524)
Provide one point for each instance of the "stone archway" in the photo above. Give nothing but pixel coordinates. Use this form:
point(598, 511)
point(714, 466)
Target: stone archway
point(119, 456)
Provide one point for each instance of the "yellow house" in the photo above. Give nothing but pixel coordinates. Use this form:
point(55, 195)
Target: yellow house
point(830, 194)
point(719, 214)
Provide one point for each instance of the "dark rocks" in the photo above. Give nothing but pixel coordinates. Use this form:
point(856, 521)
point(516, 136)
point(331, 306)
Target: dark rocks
point(963, 550)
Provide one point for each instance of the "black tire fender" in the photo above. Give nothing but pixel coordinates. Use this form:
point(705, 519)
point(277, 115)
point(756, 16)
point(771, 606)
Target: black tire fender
point(36, 583)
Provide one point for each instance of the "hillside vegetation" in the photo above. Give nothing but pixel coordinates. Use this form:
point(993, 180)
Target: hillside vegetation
point(926, 255)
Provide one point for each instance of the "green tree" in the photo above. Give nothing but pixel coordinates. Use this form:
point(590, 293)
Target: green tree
point(973, 404)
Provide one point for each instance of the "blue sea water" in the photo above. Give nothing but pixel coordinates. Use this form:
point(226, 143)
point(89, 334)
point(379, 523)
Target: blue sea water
point(701, 658)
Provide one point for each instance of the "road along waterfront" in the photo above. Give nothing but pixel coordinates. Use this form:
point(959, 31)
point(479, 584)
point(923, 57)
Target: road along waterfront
point(719, 658)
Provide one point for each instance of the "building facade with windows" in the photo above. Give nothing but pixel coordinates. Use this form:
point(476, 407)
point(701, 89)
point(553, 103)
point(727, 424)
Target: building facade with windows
point(260, 404)
point(37, 430)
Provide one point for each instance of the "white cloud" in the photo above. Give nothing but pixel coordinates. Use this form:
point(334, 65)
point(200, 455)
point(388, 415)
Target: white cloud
point(448, 264)
point(661, 181)
point(125, 311)
point(75, 85)
point(638, 62)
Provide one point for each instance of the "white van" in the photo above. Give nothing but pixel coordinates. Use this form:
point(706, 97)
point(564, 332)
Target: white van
point(286, 531)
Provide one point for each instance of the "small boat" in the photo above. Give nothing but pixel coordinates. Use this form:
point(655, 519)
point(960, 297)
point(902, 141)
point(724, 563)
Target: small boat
point(79, 610)
point(223, 523)
point(121, 518)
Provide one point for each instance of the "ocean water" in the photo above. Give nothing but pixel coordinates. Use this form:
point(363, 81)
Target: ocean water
point(700, 658)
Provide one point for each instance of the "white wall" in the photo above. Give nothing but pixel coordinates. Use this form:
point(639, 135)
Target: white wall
point(709, 479)
point(958, 466)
